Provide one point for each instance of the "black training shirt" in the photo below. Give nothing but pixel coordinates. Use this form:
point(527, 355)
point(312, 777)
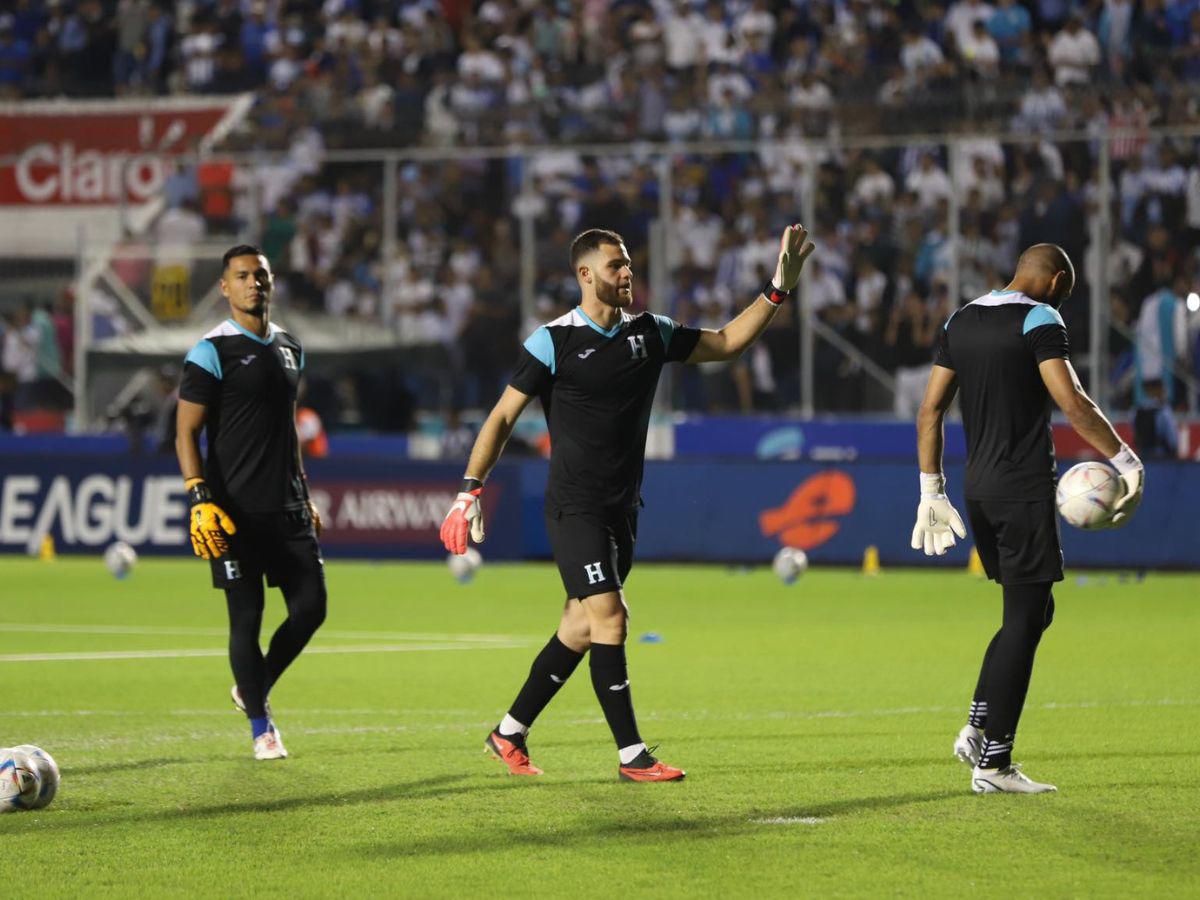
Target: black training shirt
point(994, 345)
point(248, 386)
point(597, 388)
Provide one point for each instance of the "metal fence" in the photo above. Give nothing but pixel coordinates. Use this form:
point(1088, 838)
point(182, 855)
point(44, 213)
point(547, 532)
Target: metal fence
point(528, 201)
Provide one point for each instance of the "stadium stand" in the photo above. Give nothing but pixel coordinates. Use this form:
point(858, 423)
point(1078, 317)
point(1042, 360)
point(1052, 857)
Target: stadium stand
point(344, 75)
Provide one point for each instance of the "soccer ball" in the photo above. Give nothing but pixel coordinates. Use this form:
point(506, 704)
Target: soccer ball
point(1086, 494)
point(119, 559)
point(47, 770)
point(789, 564)
point(20, 783)
point(463, 566)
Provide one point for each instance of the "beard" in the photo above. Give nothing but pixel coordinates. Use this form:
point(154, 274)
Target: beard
point(609, 295)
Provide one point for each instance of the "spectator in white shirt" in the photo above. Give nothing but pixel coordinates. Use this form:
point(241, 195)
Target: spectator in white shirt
point(874, 187)
point(479, 62)
point(980, 52)
point(1042, 106)
point(810, 95)
point(919, 55)
point(1074, 53)
point(755, 22)
point(682, 29)
point(717, 37)
point(930, 183)
point(962, 17)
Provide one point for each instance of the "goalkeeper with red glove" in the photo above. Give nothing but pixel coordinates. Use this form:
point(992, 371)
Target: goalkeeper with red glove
point(596, 370)
point(250, 513)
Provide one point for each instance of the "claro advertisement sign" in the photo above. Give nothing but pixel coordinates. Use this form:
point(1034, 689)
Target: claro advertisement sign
point(72, 164)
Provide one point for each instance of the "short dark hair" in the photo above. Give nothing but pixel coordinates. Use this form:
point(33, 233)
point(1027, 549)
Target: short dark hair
point(590, 240)
point(239, 250)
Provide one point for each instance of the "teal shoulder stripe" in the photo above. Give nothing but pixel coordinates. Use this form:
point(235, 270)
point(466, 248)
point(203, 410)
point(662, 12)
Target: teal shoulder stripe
point(946, 327)
point(666, 328)
point(1041, 315)
point(204, 355)
point(541, 346)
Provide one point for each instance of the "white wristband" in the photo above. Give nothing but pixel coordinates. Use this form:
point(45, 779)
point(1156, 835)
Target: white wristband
point(934, 483)
point(1125, 460)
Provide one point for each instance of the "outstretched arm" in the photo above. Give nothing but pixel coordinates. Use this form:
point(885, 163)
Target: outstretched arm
point(732, 340)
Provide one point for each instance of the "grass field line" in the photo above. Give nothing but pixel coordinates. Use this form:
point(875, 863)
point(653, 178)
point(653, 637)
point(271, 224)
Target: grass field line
point(94, 655)
point(484, 722)
point(189, 631)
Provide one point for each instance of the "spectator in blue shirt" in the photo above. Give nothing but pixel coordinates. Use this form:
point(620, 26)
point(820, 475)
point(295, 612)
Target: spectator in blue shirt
point(14, 59)
point(1008, 26)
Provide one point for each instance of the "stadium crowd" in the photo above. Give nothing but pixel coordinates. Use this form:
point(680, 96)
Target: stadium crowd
point(355, 73)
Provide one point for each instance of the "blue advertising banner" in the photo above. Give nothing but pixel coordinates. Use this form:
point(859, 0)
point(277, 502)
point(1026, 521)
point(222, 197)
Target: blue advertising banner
point(716, 511)
point(739, 511)
point(370, 508)
point(776, 437)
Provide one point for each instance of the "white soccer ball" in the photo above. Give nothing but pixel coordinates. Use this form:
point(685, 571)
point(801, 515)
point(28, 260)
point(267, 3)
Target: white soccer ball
point(20, 783)
point(1086, 494)
point(47, 770)
point(119, 559)
point(789, 564)
point(463, 566)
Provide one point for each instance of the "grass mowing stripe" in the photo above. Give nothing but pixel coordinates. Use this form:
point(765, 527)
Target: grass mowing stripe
point(37, 628)
point(97, 655)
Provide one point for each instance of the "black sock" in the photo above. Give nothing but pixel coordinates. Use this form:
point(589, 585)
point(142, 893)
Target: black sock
point(306, 603)
point(977, 714)
point(245, 604)
point(610, 680)
point(549, 672)
point(1028, 611)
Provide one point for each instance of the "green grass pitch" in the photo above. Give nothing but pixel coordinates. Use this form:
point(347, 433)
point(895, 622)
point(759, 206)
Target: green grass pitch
point(815, 722)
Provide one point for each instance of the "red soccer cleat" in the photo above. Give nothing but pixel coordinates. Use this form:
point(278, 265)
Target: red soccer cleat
point(646, 768)
point(511, 751)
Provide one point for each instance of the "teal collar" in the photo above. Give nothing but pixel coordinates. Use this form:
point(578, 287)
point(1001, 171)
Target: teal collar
point(612, 332)
point(252, 335)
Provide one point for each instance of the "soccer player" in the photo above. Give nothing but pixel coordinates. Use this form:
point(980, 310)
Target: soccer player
point(1006, 353)
point(250, 512)
point(595, 371)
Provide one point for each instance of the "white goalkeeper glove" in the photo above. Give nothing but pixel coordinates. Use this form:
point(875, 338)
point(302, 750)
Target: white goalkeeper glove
point(937, 520)
point(793, 251)
point(1133, 479)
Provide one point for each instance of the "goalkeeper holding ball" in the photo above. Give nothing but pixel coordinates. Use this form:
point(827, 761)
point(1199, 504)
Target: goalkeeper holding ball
point(250, 513)
point(595, 371)
point(1006, 353)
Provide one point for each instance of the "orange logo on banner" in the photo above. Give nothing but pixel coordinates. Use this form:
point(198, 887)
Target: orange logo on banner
point(809, 516)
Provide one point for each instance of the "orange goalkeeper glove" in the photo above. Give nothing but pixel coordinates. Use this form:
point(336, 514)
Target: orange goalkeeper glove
point(207, 523)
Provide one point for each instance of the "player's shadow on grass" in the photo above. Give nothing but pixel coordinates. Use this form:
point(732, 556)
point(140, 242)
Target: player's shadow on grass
point(143, 764)
point(440, 786)
point(495, 838)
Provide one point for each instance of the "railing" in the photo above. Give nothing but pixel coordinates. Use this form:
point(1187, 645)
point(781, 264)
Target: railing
point(665, 159)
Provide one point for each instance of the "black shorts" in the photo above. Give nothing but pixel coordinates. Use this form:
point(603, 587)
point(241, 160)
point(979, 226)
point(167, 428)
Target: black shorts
point(282, 546)
point(1018, 540)
point(594, 552)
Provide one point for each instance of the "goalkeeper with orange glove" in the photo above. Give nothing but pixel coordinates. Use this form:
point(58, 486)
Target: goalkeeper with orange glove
point(250, 513)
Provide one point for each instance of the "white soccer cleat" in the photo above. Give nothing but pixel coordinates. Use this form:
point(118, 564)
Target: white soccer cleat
point(268, 745)
point(969, 744)
point(241, 705)
point(1006, 781)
